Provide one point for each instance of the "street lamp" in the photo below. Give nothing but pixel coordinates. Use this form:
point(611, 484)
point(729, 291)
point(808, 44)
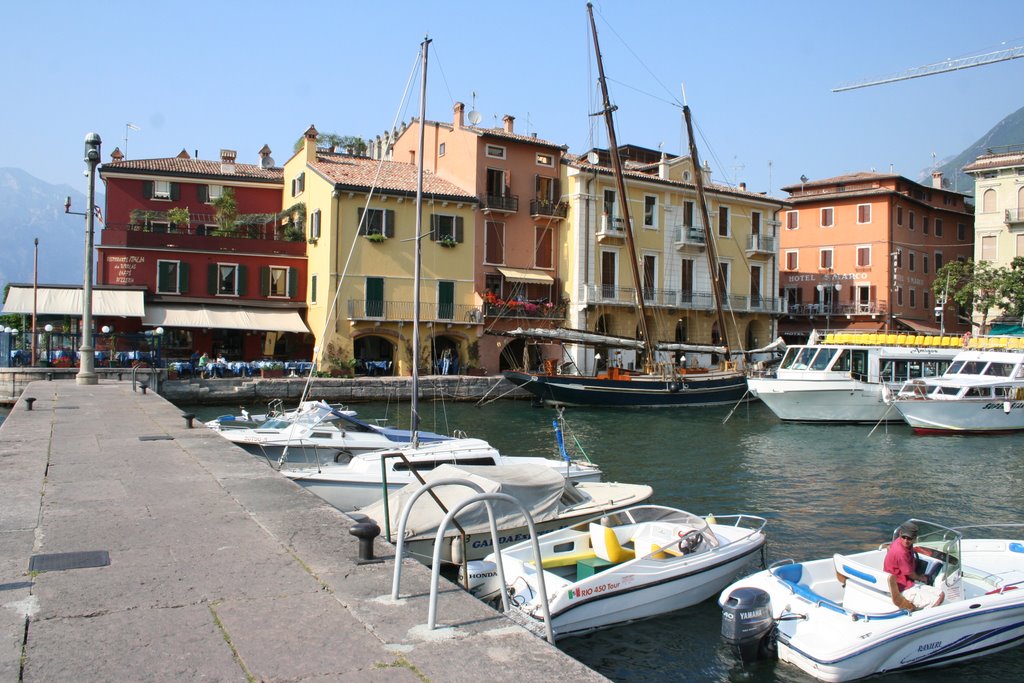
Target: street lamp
point(87, 372)
point(824, 290)
point(49, 328)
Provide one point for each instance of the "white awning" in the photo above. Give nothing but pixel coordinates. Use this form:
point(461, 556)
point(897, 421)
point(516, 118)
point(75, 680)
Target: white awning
point(521, 275)
point(68, 301)
point(223, 317)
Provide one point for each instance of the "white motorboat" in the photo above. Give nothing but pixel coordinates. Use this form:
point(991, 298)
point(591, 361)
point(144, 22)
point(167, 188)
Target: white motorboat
point(982, 392)
point(552, 500)
point(843, 378)
point(835, 618)
point(633, 564)
point(356, 480)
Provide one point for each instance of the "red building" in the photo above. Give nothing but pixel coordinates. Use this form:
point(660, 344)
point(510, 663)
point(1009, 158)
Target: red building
point(224, 268)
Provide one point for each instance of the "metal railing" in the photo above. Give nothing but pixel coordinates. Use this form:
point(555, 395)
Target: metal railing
point(761, 243)
point(544, 207)
point(493, 202)
point(865, 308)
point(266, 231)
point(1015, 215)
point(688, 235)
point(360, 309)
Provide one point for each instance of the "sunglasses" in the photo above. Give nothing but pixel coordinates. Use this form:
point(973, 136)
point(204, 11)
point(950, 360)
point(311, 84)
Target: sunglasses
point(908, 538)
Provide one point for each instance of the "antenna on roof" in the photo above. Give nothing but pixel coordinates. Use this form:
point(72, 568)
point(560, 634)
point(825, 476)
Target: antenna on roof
point(128, 127)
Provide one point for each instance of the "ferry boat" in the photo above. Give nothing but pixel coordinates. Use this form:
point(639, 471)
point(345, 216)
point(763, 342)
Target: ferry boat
point(981, 392)
point(842, 377)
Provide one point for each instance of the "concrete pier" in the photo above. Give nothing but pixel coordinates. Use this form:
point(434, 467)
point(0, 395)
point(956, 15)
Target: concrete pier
point(201, 562)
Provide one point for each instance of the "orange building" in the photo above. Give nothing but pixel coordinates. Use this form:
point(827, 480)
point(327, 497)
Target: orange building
point(860, 252)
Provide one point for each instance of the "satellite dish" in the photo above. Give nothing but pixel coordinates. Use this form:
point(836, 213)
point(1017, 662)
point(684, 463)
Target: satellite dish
point(474, 117)
point(593, 158)
point(803, 179)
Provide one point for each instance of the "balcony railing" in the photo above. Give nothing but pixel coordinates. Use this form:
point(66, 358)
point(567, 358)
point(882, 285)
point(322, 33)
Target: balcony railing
point(762, 244)
point(503, 203)
point(860, 308)
point(1014, 216)
point(265, 231)
point(541, 310)
point(688, 236)
point(672, 298)
point(546, 208)
point(360, 309)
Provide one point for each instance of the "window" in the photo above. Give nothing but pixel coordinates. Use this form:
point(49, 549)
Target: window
point(863, 213)
point(723, 221)
point(171, 277)
point(924, 225)
point(545, 160)
point(649, 276)
point(925, 299)
point(792, 220)
point(938, 260)
point(376, 222)
point(899, 296)
point(609, 203)
point(445, 228)
point(213, 193)
point(913, 298)
point(495, 151)
point(545, 246)
point(314, 226)
point(961, 232)
point(988, 247)
point(912, 221)
point(899, 215)
point(911, 260)
point(299, 184)
point(161, 189)
point(988, 201)
point(440, 150)
point(827, 217)
point(938, 227)
point(924, 263)
point(688, 214)
point(755, 286)
point(497, 185)
point(792, 260)
point(312, 289)
point(755, 222)
point(686, 281)
point(723, 275)
point(1020, 245)
point(825, 259)
point(277, 281)
point(494, 242)
point(374, 297)
point(445, 300)
point(228, 279)
point(863, 256)
point(650, 211)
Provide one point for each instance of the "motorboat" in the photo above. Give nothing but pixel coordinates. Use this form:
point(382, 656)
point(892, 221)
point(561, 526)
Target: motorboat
point(842, 377)
point(981, 392)
point(317, 432)
point(355, 480)
point(636, 563)
point(552, 501)
point(835, 619)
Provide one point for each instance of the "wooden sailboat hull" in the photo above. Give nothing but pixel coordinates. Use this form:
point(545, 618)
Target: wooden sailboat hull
point(647, 392)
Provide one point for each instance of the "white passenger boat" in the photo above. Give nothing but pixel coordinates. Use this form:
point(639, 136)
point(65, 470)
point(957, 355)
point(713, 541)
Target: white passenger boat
point(553, 502)
point(842, 379)
point(358, 480)
point(835, 618)
point(981, 392)
point(637, 563)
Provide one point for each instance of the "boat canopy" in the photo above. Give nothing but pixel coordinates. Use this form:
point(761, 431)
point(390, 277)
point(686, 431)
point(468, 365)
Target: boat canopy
point(538, 487)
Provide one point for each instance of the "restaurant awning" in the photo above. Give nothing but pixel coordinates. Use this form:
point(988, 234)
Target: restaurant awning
point(918, 326)
point(522, 275)
point(68, 301)
point(224, 317)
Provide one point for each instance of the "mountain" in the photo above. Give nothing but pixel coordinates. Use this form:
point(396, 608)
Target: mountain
point(1009, 131)
point(31, 208)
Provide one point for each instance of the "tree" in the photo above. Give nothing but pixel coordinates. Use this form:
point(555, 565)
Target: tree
point(976, 287)
point(352, 144)
point(1012, 289)
point(227, 210)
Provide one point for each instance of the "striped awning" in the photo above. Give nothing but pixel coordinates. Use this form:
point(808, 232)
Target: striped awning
point(69, 301)
point(224, 317)
point(528, 276)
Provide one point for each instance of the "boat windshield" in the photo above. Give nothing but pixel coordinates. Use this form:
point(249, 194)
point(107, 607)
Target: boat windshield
point(276, 424)
point(802, 359)
point(972, 367)
point(790, 356)
point(999, 369)
point(941, 543)
point(823, 358)
point(842, 363)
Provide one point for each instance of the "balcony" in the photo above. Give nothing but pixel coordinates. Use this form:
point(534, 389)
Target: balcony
point(688, 237)
point(611, 229)
point(539, 309)
point(873, 308)
point(543, 208)
point(491, 203)
point(401, 311)
point(761, 245)
point(1014, 217)
point(266, 238)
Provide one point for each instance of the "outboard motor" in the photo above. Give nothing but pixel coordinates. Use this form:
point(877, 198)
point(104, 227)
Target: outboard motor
point(747, 624)
point(483, 579)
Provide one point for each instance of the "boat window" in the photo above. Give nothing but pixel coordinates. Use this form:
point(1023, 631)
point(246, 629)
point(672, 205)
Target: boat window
point(914, 369)
point(934, 368)
point(275, 424)
point(947, 391)
point(1005, 392)
point(803, 359)
point(322, 435)
point(842, 363)
point(954, 367)
point(859, 363)
point(973, 367)
point(999, 369)
point(790, 357)
point(978, 392)
point(823, 358)
point(402, 466)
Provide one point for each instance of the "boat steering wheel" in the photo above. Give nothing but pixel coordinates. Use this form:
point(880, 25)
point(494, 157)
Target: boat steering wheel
point(688, 541)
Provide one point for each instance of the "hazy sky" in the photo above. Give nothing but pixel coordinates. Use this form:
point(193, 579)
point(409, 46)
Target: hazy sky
point(758, 76)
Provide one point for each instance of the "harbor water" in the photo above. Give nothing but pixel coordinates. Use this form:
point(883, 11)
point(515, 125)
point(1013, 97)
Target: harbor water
point(823, 489)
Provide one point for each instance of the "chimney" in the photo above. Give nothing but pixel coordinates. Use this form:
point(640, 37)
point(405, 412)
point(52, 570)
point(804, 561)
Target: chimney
point(116, 155)
point(227, 160)
point(937, 180)
point(460, 110)
point(705, 173)
point(266, 161)
point(309, 142)
point(743, 187)
point(663, 166)
point(509, 120)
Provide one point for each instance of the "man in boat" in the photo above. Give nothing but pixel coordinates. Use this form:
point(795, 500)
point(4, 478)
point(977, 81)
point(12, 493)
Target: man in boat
point(909, 589)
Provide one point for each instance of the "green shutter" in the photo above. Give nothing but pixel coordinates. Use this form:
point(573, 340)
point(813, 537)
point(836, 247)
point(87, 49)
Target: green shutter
point(204, 193)
point(243, 280)
point(293, 282)
point(175, 191)
point(264, 280)
point(147, 189)
point(458, 228)
point(433, 227)
point(211, 278)
point(389, 223)
point(182, 277)
point(359, 220)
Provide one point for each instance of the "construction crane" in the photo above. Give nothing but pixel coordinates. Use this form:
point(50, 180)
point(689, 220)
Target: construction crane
point(939, 68)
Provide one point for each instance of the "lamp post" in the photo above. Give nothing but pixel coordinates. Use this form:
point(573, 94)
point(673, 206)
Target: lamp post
point(35, 298)
point(48, 328)
point(825, 297)
point(86, 372)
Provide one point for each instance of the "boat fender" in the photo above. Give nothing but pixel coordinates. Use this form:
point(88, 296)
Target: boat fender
point(676, 386)
point(1006, 407)
point(689, 540)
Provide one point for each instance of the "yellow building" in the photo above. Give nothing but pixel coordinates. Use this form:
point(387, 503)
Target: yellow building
point(671, 254)
point(360, 223)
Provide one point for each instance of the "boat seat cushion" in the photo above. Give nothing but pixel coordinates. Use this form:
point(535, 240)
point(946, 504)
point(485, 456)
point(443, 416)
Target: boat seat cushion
point(606, 544)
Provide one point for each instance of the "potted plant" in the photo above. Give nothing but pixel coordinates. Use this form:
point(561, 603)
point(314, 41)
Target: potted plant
point(377, 237)
point(179, 218)
point(448, 242)
point(272, 370)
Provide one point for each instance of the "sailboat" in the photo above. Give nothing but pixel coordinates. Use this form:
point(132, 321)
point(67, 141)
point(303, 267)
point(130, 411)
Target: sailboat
point(660, 383)
point(358, 479)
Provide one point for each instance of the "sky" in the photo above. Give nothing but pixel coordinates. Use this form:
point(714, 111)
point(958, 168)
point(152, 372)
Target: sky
point(758, 78)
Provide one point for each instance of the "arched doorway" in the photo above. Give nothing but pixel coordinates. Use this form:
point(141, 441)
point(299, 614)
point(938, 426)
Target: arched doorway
point(445, 356)
point(682, 333)
point(512, 356)
point(374, 355)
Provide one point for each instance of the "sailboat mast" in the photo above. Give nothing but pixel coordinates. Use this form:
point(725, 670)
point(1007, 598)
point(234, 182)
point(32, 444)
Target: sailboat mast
point(709, 240)
point(414, 418)
point(607, 110)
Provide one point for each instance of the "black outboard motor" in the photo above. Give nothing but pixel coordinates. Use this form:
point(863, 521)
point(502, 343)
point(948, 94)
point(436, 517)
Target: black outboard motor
point(747, 624)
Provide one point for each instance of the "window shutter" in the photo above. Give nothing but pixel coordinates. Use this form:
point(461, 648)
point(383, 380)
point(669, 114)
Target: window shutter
point(314, 226)
point(264, 280)
point(433, 226)
point(243, 280)
point(359, 220)
point(293, 282)
point(557, 184)
point(203, 191)
point(147, 189)
point(458, 228)
point(293, 187)
point(175, 191)
point(536, 187)
point(211, 278)
point(389, 223)
point(182, 278)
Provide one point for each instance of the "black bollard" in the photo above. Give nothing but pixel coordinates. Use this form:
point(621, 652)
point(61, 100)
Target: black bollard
point(188, 419)
point(49, 377)
point(29, 401)
point(365, 532)
point(144, 385)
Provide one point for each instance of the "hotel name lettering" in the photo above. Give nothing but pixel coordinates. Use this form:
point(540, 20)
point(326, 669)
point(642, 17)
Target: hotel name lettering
point(122, 268)
point(832, 277)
